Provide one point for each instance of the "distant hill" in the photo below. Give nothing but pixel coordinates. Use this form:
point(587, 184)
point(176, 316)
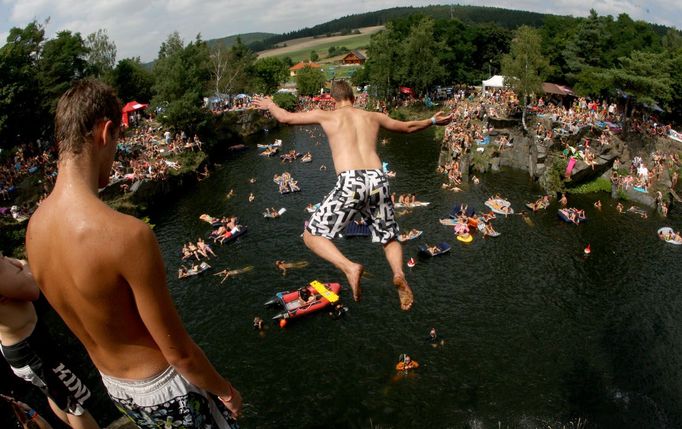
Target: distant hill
point(506, 18)
point(247, 39)
point(476, 14)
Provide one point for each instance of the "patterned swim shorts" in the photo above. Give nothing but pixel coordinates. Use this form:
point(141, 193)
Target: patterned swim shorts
point(357, 191)
point(168, 400)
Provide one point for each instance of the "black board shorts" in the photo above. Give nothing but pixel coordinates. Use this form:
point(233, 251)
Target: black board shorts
point(35, 359)
point(357, 191)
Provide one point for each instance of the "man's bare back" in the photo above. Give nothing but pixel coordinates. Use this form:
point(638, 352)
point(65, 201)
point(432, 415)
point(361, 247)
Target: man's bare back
point(352, 135)
point(71, 241)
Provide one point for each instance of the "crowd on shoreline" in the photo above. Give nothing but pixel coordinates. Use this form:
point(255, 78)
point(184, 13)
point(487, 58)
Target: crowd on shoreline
point(145, 153)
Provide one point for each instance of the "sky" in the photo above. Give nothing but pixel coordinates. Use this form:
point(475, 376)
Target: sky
point(138, 27)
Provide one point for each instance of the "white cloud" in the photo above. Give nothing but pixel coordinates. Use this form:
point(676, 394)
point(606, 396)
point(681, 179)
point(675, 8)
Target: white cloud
point(139, 27)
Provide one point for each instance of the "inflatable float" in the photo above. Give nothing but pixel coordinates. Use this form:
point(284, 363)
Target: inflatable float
point(482, 226)
point(411, 205)
point(355, 229)
point(279, 212)
point(569, 167)
point(538, 205)
point(564, 214)
point(241, 230)
point(214, 221)
point(402, 366)
point(196, 269)
point(465, 238)
point(277, 143)
point(321, 296)
point(499, 206)
point(442, 248)
point(666, 231)
point(412, 237)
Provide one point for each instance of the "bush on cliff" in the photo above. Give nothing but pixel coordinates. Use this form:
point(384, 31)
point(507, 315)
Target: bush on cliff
point(285, 100)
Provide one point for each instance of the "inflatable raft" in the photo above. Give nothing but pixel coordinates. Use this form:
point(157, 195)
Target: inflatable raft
point(412, 205)
point(499, 206)
point(565, 213)
point(196, 269)
point(481, 227)
point(240, 231)
point(667, 231)
point(355, 229)
point(418, 234)
point(322, 295)
point(443, 247)
point(538, 205)
point(465, 238)
point(269, 215)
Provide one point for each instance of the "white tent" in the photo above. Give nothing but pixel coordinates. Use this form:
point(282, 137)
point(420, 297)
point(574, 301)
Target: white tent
point(496, 81)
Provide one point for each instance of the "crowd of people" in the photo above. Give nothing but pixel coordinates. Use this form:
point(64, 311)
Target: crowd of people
point(146, 154)
point(38, 160)
point(143, 153)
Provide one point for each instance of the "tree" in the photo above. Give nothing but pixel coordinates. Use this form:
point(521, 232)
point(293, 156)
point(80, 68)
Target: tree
point(132, 81)
point(285, 100)
point(525, 66)
point(645, 75)
point(309, 81)
point(61, 63)
point(268, 74)
point(230, 68)
point(421, 67)
point(314, 56)
point(101, 54)
point(21, 111)
point(181, 77)
point(383, 62)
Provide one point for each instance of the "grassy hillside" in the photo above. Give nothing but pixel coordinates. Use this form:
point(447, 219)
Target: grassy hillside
point(321, 46)
point(247, 39)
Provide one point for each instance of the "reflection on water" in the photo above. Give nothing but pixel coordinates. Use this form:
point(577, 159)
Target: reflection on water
point(535, 332)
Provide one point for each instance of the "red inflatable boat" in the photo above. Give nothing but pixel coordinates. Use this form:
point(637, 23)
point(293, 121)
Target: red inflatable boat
point(298, 303)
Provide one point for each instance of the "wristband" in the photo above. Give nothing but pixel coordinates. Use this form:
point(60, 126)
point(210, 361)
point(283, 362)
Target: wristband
point(433, 120)
point(31, 414)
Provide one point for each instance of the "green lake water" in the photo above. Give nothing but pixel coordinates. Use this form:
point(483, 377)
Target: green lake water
point(535, 333)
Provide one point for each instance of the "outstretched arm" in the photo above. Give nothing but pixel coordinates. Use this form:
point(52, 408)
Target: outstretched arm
point(285, 117)
point(412, 126)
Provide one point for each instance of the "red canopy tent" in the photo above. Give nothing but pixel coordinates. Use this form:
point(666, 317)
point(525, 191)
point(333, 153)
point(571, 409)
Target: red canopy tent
point(407, 91)
point(130, 107)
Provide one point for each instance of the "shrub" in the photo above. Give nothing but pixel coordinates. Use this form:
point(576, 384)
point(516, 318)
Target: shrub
point(285, 100)
point(597, 185)
point(553, 179)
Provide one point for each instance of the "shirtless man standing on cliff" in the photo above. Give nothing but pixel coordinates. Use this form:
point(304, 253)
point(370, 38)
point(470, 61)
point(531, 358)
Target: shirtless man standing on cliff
point(102, 271)
point(361, 187)
point(31, 353)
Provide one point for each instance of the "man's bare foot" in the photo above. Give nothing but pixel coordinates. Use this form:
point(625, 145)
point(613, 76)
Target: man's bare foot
point(404, 292)
point(353, 276)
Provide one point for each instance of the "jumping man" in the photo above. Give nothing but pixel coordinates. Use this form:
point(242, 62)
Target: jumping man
point(361, 187)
